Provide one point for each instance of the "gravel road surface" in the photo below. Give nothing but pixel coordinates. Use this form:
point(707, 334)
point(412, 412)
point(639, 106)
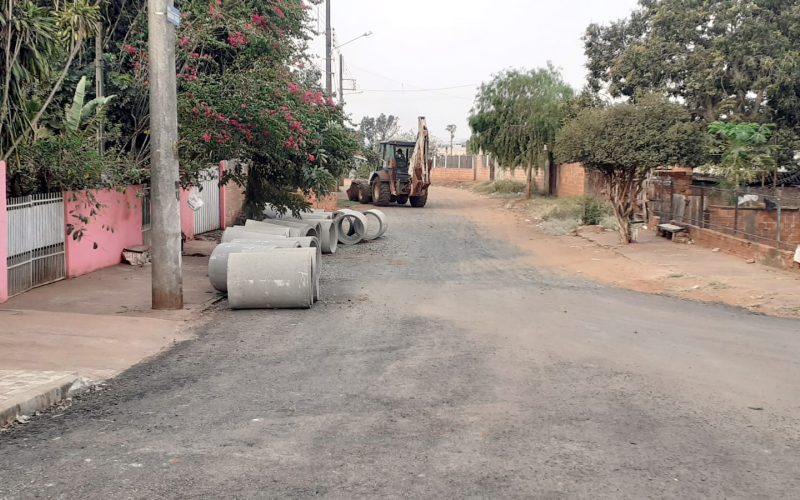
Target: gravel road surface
point(441, 364)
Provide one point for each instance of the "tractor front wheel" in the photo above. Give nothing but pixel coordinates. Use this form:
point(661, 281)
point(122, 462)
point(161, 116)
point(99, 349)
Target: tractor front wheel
point(419, 201)
point(381, 194)
point(364, 196)
point(402, 199)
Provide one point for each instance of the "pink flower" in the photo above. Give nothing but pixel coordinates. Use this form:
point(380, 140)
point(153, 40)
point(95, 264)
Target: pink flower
point(279, 12)
point(311, 158)
point(129, 49)
point(207, 136)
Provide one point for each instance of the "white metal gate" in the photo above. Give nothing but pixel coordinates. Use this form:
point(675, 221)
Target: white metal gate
point(207, 218)
point(35, 241)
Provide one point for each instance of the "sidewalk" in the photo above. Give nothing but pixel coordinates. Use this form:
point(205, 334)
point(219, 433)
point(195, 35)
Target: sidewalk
point(653, 265)
point(91, 327)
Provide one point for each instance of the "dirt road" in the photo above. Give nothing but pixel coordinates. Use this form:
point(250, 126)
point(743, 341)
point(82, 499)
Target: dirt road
point(443, 363)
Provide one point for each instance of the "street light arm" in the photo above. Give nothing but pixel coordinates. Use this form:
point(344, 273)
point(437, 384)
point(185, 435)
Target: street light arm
point(368, 33)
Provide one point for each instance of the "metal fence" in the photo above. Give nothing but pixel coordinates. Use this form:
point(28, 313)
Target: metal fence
point(747, 213)
point(35, 241)
point(146, 226)
point(208, 217)
point(456, 161)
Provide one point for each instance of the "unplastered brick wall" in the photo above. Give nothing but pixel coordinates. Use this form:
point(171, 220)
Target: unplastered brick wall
point(234, 200)
point(571, 180)
point(519, 174)
point(328, 203)
point(757, 224)
point(451, 174)
point(744, 249)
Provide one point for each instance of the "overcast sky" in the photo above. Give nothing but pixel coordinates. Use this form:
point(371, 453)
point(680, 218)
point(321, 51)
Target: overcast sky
point(438, 44)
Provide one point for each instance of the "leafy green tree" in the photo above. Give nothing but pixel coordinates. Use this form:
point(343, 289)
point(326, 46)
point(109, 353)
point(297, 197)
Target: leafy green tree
point(517, 114)
point(741, 152)
point(375, 130)
point(452, 129)
point(38, 43)
point(727, 60)
point(624, 142)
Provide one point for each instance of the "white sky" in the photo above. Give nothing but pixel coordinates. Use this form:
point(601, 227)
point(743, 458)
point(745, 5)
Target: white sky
point(434, 44)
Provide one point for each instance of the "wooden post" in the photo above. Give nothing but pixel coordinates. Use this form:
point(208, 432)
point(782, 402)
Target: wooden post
point(735, 212)
point(702, 207)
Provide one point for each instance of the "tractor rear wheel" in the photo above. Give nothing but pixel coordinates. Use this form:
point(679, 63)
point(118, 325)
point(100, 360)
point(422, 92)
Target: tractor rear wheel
point(402, 199)
point(364, 195)
point(419, 201)
point(381, 194)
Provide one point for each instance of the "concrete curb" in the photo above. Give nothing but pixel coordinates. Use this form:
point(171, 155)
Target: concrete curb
point(36, 399)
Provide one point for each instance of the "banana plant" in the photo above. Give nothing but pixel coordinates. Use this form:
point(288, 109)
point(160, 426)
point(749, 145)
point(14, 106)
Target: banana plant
point(82, 118)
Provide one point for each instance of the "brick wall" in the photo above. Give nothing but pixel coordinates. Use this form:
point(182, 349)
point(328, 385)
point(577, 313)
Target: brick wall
point(451, 174)
point(739, 247)
point(328, 203)
point(519, 174)
point(756, 224)
point(571, 180)
point(234, 199)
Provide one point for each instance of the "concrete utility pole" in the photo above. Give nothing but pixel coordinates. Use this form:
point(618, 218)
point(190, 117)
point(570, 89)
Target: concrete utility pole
point(341, 79)
point(328, 49)
point(165, 204)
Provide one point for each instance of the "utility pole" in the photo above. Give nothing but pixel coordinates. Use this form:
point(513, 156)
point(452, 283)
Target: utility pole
point(165, 205)
point(328, 50)
point(341, 79)
point(98, 78)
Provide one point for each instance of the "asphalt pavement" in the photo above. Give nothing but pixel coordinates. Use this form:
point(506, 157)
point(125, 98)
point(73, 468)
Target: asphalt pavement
point(440, 364)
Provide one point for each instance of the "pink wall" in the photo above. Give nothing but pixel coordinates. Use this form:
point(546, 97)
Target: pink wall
point(121, 211)
point(3, 237)
point(187, 215)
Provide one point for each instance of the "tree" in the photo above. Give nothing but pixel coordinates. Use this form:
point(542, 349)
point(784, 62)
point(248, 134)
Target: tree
point(375, 130)
point(452, 129)
point(741, 152)
point(517, 114)
point(624, 142)
point(38, 41)
point(728, 60)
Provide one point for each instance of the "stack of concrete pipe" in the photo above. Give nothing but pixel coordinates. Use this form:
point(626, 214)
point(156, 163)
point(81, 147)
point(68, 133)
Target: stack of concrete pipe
point(276, 263)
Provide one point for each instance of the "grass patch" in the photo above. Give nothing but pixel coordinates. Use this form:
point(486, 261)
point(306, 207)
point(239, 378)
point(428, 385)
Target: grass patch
point(505, 186)
point(345, 203)
point(718, 285)
point(587, 210)
point(560, 227)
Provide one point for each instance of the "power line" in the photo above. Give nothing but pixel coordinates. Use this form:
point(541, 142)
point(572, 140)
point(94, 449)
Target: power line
point(405, 84)
point(421, 90)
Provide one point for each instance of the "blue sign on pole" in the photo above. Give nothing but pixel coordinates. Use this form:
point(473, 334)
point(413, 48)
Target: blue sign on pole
point(173, 15)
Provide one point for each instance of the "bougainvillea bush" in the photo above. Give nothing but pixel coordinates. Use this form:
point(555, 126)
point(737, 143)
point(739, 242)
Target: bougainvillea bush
point(248, 91)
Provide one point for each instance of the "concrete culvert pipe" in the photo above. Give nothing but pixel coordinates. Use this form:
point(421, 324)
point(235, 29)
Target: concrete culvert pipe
point(315, 265)
point(302, 225)
point(330, 236)
point(267, 226)
point(378, 224)
point(240, 232)
point(281, 242)
point(351, 226)
point(218, 262)
point(270, 280)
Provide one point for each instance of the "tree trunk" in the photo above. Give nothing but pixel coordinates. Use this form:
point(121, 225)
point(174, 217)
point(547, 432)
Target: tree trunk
point(529, 183)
